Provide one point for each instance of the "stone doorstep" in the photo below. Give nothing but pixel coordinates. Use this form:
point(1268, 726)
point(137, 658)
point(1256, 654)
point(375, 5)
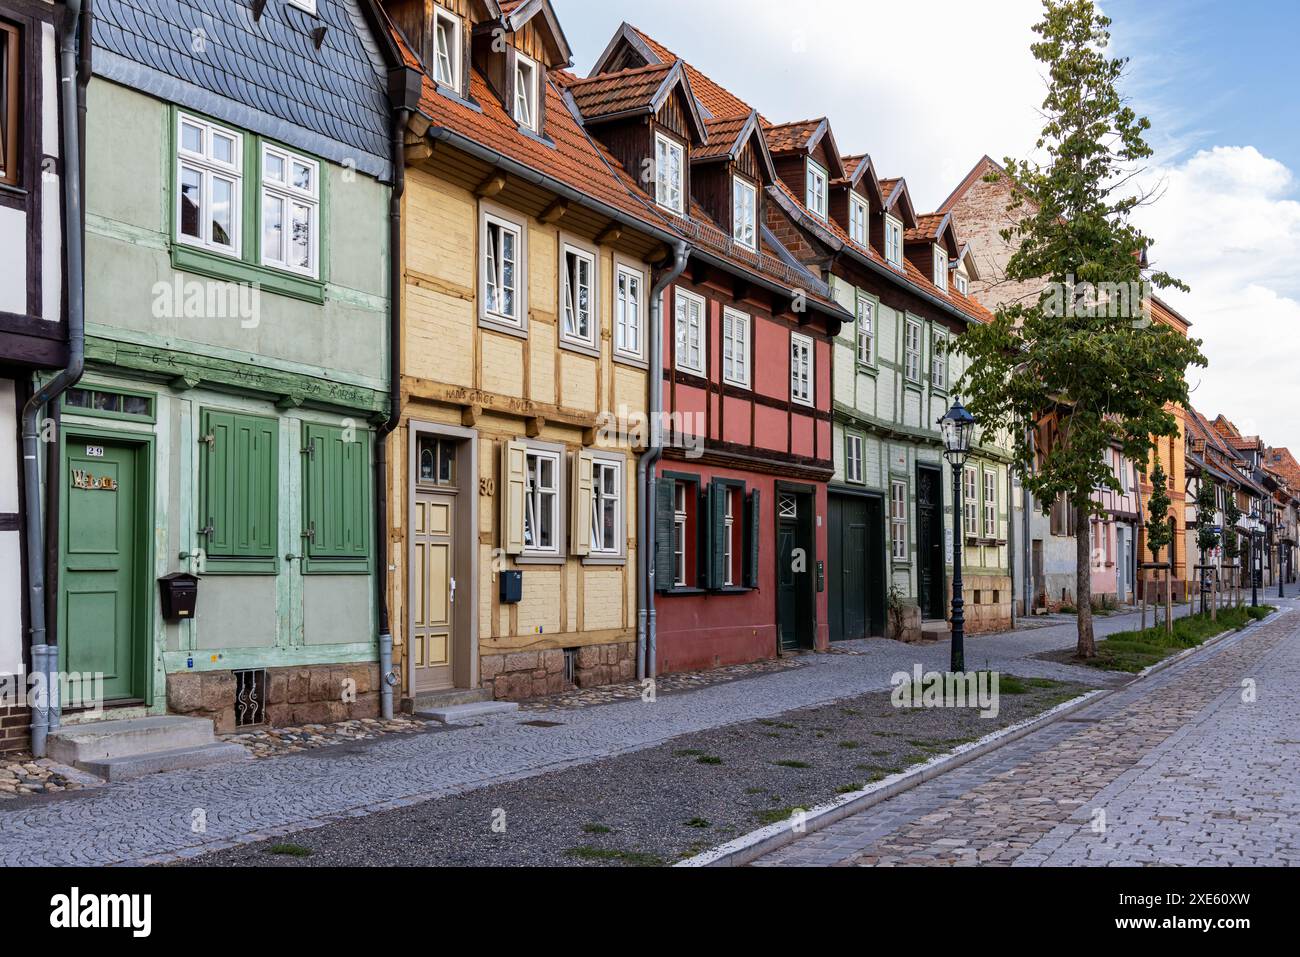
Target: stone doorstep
point(101, 740)
point(435, 700)
point(131, 766)
point(461, 713)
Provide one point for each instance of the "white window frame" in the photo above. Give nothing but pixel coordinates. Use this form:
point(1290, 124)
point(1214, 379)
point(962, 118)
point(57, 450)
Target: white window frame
point(940, 267)
point(569, 302)
point(893, 241)
point(898, 526)
point(629, 332)
point(962, 282)
point(531, 98)
point(818, 189)
point(665, 148)
point(515, 322)
point(683, 329)
point(853, 457)
point(209, 168)
point(537, 497)
point(599, 547)
point(285, 193)
point(866, 329)
point(736, 327)
point(938, 362)
point(681, 518)
point(990, 504)
point(454, 28)
point(803, 383)
point(912, 350)
point(728, 535)
point(970, 501)
point(748, 227)
point(859, 219)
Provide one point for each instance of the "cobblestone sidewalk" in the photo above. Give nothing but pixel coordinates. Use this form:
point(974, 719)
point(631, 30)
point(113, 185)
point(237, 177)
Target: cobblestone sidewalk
point(1178, 769)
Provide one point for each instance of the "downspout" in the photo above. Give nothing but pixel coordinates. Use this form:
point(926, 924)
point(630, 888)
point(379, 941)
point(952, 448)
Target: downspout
point(45, 710)
point(645, 474)
point(404, 87)
point(1026, 519)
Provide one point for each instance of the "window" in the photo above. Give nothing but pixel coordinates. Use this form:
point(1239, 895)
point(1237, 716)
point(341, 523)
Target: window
point(446, 42)
point(683, 500)
point(628, 299)
point(669, 163)
point(898, 519)
point(744, 213)
point(525, 92)
point(337, 502)
point(858, 219)
point(939, 362)
point(502, 279)
point(735, 347)
point(606, 507)
point(801, 369)
point(238, 489)
point(970, 501)
point(578, 295)
point(729, 536)
point(290, 211)
point(866, 330)
point(209, 185)
point(941, 268)
point(542, 502)
point(690, 331)
point(437, 461)
point(817, 180)
point(852, 458)
point(1063, 519)
point(10, 102)
point(912, 351)
point(109, 403)
point(990, 504)
point(961, 282)
point(893, 241)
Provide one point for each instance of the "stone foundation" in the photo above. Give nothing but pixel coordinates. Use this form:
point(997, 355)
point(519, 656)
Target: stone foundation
point(15, 728)
point(907, 627)
point(519, 675)
point(309, 694)
point(988, 603)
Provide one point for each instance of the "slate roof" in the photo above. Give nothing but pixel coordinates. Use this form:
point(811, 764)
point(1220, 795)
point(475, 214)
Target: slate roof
point(266, 76)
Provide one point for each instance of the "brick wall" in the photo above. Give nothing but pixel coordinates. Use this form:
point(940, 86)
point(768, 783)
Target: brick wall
point(15, 728)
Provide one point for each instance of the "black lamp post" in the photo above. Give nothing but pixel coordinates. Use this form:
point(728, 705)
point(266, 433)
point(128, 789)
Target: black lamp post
point(1255, 567)
point(958, 428)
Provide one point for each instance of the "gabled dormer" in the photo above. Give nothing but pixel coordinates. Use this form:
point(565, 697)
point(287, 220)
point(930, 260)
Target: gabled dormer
point(964, 270)
point(730, 173)
point(855, 198)
point(807, 161)
point(648, 118)
point(897, 215)
point(931, 246)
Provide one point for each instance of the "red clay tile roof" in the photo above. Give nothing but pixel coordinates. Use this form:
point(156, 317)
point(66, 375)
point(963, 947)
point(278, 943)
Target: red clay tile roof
point(717, 100)
point(1285, 464)
point(791, 137)
point(722, 134)
point(621, 92)
point(887, 185)
point(927, 227)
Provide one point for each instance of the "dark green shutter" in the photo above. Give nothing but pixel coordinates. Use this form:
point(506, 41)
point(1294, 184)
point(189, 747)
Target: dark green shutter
point(337, 506)
point(752, 525)
point(664, 572)
point(717, 533)
point(239, 470)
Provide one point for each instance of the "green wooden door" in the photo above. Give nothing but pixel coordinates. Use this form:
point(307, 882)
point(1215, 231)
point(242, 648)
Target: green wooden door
point(847, 552)
point(101, 620)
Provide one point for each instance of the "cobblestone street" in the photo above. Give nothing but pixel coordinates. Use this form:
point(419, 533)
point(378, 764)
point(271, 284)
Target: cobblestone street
point(1194, 765)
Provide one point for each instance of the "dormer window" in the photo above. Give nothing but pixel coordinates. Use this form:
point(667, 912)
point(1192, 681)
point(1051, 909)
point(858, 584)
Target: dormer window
point(525, 92)
point(961, 282)
point(446, 41)
point(941, 268)
point(816, 199)
point(670, 159)
point(858, 219)
point(893, 241)
point(744, 215)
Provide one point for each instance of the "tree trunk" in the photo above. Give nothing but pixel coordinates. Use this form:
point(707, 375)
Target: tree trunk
point(1087, 647)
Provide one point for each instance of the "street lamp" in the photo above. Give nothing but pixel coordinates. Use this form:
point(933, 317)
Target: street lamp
point(958, 428)
point(1256, 569)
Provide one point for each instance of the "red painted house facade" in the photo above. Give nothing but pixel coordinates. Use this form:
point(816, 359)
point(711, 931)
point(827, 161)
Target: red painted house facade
point(740, 493)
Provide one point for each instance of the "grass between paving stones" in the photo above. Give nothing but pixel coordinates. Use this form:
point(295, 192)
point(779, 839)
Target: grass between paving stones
point(661, 804)
point(1132, 651)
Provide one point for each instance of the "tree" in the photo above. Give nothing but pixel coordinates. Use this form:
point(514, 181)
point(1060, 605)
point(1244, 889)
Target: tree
point(1083, 364)
point(1207, 509)
point(1231, 543)
point(1158, 533)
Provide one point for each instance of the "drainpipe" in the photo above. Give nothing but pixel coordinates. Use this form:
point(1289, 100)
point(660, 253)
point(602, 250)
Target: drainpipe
point(645, 474)
point(1026, 520)
point(45, 710)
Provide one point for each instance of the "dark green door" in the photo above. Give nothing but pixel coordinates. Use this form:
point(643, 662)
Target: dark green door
point(787, 586)
point(101, 620)
point(929, 542)
point(795, 569)
point(847, 556)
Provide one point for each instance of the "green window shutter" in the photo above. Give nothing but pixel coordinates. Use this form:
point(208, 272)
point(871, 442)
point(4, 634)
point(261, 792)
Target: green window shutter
point(664, 572)
point(337, 500)
point(239, 476)
point(752, 526)
point(717, 532)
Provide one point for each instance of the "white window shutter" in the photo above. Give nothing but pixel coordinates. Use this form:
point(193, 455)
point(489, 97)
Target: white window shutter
point(514, 486)
point(580, 510)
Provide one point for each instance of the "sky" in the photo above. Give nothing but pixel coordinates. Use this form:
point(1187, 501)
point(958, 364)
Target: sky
point(929, 88)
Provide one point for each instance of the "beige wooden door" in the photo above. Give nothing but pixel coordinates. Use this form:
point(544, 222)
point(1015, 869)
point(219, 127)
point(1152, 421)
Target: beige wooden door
point(433, 592)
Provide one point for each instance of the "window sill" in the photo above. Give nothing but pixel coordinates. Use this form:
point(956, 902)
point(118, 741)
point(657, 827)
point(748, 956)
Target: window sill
point(627, 359)
point(580, 347)
point(215, 266)
point(504, 326)
point(732, 590)
point(548, 559)
point(867, 368)
point(607, 561)
point(684, 590)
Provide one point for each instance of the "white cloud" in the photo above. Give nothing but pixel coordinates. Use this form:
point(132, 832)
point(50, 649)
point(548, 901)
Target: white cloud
point(1227, 226)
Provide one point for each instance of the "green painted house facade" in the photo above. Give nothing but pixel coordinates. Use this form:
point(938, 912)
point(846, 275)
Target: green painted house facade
point(237, 313)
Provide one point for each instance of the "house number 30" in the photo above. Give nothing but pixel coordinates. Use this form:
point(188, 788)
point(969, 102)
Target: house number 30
point(487, 486)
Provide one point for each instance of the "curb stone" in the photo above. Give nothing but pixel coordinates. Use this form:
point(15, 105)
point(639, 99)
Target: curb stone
point(749, 847)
